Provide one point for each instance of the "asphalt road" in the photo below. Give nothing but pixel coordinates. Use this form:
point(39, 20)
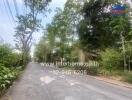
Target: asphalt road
point(44, 83)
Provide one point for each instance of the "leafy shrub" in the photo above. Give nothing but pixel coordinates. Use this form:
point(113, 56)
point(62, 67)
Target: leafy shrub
point(7, 57)
point(7, 76)
point(110, 59)
point(128, 77)
point(8, 73)
point(92, 70)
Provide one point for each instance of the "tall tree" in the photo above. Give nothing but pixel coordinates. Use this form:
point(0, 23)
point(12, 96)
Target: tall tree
point(121, 27)
point(28, 24)
point(94, 30)
point(23, 42)
point(36, 7)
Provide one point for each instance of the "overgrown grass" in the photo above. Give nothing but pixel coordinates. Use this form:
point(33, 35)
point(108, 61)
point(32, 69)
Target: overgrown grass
point(128, 77)
point(111, 72)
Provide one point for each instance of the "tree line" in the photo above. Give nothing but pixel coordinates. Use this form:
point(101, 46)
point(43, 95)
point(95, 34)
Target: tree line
point(86, 31)
point(86, 26)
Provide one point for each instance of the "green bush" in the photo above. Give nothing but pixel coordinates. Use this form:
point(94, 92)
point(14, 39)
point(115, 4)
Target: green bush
point(111, 59)
point(92, 70)
point(128, 77)
point(112, 72)
point(7, 76)
point(9, 69)
point(7, 57)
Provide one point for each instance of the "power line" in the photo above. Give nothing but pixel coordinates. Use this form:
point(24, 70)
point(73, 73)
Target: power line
point(8, 5)
point(7, 12)
point(16, 7)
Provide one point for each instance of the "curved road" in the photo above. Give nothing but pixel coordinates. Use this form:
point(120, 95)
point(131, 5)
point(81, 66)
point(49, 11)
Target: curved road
point(47, 83)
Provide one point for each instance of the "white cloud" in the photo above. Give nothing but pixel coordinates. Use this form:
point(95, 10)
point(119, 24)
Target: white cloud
point(20, 1)
point(57, 3)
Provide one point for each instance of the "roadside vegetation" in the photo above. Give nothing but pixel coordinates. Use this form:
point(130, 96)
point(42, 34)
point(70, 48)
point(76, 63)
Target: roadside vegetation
point(86, 31)
point(10, 66)
point(13, 59)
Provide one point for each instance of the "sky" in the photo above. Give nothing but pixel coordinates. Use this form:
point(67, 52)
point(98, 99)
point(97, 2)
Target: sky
point(7, 25)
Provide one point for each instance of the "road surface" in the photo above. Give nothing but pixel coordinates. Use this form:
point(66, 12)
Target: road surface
point(44, 83)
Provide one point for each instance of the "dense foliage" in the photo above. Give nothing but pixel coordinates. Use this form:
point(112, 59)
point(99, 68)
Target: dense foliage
point(85, 30)
point(111, 58)
point(98, 31)
point(8, 58)
point(94, 30)
point(9, 66)
point(7, 76)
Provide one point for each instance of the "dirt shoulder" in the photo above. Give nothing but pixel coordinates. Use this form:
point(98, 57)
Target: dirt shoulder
point(114, 80)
